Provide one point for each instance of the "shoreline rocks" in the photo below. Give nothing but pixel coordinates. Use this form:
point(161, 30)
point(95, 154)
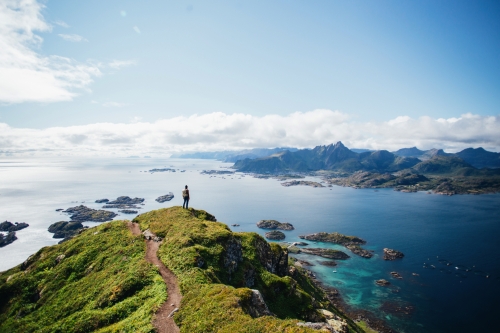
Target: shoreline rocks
point(275, 235)
point(273, 224)
point(390, 254)
point(65, 229)
point(166, 197)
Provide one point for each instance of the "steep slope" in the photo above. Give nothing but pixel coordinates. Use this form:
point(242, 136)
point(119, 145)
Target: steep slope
point(444, 165)
point(98, 281)
point(218, 269)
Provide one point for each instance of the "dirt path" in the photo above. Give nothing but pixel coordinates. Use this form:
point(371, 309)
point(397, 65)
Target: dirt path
point(163, 321)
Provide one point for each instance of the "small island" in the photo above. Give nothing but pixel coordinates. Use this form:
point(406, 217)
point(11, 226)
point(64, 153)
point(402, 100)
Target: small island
point(390, 254)
point(301, 182)
point(164, 198)
point(65, 229)
point(83, 213)
point(382, 283)
point(273, 224)
point(124, 202)
point(350, 242)
point(275, 235)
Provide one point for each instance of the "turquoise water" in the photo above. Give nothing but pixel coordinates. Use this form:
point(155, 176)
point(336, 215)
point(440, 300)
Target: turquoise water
point(459, 230)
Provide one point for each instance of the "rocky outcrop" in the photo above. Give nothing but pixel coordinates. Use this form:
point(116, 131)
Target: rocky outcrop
point(273, 224)
point(273, 257)
point(356, 249)
point(326, 253)
point(164, 198)
point(337, 323)
point(7, 239)
point(9, 226)
point(233, 256)
point(396, 275)
point(258, 306)
point(390, 254)
point(102, 200)
point(148, 235)
point(65, 229)
point(83, 213)
point(324, 327)
point(275, 235)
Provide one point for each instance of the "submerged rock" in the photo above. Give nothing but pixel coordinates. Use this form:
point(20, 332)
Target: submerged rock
point(273, 224)
point(328, 263)
point(128, 211)
point(390, 254)
point(166, 197)
point(275, 235)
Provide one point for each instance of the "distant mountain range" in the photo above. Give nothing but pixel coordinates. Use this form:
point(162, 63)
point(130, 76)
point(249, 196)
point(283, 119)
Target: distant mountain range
point(337, 157)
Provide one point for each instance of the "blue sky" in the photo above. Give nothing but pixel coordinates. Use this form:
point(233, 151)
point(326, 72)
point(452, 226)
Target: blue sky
point(371, 63)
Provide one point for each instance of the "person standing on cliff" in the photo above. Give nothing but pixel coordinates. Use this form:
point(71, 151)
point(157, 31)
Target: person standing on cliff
point(185, 196)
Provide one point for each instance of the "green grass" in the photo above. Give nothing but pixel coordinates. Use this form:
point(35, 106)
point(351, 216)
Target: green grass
point(215, 297)
point(103, 284)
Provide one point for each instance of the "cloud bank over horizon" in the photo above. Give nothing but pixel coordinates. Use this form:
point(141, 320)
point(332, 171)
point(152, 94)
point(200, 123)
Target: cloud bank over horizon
point(220, 131)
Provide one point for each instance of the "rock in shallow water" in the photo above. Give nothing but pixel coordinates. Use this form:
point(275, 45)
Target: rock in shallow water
point(275, 235)
point(273, 224)
point(390, 254)
point(166, 197)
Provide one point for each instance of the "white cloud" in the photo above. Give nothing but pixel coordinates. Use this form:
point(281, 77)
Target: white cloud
point(219, 131)
point(117, 64)
point(26, 75)
point(73, 38)
point(114, 104)
point(61, 24)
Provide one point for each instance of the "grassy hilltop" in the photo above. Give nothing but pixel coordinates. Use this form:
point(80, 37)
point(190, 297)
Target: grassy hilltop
point(99, 281)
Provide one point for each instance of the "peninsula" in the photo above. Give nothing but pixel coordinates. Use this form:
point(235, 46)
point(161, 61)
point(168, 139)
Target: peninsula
point(103, 280)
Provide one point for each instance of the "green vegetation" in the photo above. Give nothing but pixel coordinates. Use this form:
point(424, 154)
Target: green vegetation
point(216, 269)
point(97, 281)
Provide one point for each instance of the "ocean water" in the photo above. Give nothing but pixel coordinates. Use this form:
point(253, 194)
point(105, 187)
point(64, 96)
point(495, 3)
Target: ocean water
point(451, 268)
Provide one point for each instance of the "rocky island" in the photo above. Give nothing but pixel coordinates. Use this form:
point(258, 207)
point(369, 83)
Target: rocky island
point(124, 202)
point(273, 224)
point(390, 254)
point(10, 229)
point(83, 213)
point(301, 182)
point(350, 242)
point(164, 198)
point(275, 235)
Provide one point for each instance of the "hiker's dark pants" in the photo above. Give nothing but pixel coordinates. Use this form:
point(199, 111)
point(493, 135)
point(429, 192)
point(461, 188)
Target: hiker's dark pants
point(186, 202)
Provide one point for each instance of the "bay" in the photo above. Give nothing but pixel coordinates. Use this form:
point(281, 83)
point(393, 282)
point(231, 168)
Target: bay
point(455, 234)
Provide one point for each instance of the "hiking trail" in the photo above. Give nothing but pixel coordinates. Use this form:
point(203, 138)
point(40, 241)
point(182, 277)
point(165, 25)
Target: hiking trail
point(163, 320)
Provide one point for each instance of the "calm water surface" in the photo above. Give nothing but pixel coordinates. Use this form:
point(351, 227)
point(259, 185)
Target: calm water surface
point(450, 242)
